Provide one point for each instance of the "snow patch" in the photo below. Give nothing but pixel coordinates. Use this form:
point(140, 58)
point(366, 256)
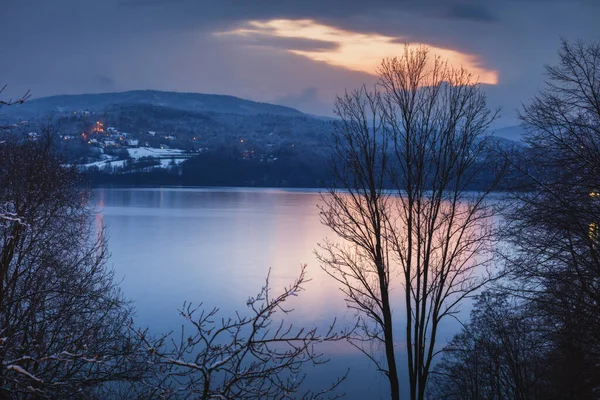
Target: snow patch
point(156, 153)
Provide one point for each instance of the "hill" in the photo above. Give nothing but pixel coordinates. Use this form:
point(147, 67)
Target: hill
point(153, 137)
point(193, 102)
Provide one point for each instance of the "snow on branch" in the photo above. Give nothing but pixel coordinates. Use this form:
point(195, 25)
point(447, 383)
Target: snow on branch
point(9, 215)
point(22, 371)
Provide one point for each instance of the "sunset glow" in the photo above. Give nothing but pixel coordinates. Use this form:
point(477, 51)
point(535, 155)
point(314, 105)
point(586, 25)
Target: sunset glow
point(347, 49)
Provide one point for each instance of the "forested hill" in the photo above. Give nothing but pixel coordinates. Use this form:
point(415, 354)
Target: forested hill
point(154, 137)
point(195, 102)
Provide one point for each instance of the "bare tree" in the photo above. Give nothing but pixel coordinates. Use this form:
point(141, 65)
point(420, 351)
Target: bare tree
point(421, 132)
point(245, 357)
point(357, 210)
point(500, 354)
point(63, 321)
point(10, 102)
point(540, 340)
point(553, 229)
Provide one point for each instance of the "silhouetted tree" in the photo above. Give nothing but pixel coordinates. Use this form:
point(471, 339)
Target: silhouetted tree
point(554, 226)
point(9, 102)
point(64, 324)
point(540, 339)
point(500, 354)
point(421, 132)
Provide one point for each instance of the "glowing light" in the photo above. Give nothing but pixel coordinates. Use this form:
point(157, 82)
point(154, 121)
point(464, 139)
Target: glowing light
point(594, 231)
point(98, 128)
point(348, 49)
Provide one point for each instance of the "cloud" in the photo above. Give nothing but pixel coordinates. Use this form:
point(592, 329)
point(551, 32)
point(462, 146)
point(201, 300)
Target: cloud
point(286, 43)
point(353, 50)
point(472, 12)
point(478, 10)
point(67, 46)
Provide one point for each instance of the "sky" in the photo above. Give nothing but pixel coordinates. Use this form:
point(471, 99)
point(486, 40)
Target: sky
point(295, 53)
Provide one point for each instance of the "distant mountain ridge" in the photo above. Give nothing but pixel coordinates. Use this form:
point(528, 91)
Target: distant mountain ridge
point(513, 132)
point(178, 105)
point(195, 102)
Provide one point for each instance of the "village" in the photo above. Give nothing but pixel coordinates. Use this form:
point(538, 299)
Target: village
point(109, 149)
point(117, 151)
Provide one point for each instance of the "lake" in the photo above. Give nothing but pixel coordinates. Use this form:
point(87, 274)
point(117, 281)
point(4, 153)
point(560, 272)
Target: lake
point(216, 246)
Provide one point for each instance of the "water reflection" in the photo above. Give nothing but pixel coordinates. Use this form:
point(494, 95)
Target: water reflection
point(216, 246)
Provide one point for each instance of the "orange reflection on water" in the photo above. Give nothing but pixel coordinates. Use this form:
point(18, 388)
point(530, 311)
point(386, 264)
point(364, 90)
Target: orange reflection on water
point(295, 235)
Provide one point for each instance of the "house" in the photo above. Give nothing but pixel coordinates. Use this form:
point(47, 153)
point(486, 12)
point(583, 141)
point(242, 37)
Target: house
point(151, 133)
point(133, 142)
point(99, 127)
point(112, 129)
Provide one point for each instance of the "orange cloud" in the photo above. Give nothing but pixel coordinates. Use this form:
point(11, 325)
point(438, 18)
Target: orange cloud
point(351, 50)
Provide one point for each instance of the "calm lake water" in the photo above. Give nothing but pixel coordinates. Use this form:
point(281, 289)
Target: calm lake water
point(215, 246)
